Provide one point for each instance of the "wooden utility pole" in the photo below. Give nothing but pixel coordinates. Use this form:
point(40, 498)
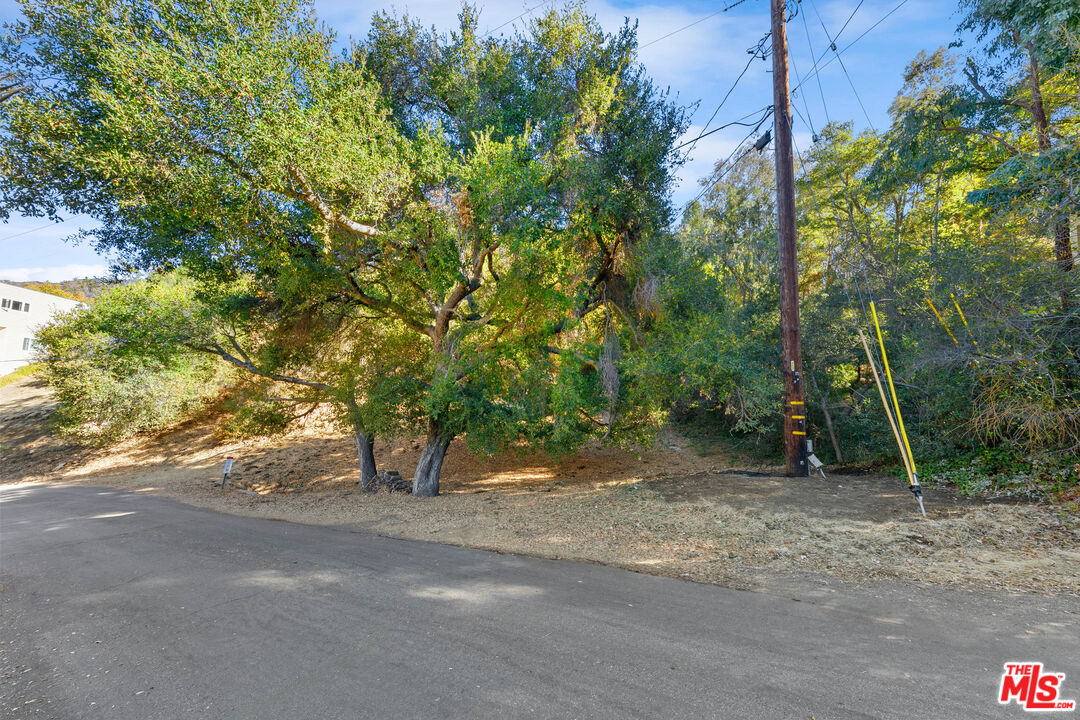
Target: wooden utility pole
point(790, 338)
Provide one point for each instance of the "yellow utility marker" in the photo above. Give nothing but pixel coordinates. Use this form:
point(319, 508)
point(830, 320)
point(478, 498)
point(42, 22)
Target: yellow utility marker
point(942, 321)
point(964, 319)
point(885, 404)
point(916, 489)
point(956, 342)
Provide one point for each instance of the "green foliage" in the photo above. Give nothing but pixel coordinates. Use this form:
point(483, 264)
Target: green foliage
point(111, 376)
point(1007, 472)
point(417, 232)
point(960, 203)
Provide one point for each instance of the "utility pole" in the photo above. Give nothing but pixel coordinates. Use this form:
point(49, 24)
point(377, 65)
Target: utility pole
point(790, 338)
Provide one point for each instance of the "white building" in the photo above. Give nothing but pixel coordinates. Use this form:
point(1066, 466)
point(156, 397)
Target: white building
point(21, 312)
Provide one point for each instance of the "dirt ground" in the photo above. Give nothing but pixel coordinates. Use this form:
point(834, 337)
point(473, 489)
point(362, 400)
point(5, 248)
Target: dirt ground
point(672, 510)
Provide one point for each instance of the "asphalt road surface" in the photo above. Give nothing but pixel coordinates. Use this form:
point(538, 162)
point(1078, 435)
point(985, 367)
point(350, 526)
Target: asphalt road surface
point(118, 605)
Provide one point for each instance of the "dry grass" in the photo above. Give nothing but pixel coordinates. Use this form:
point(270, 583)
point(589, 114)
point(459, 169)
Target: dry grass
point(669, 511)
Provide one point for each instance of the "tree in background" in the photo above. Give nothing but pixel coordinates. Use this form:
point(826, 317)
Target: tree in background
point(961, 197)
point(570, 88)
point(55, 289)
point(1015, 110)
point(713, 338)
point(284, 359)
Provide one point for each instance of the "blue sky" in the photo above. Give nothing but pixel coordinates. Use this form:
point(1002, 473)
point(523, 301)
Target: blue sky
point(699, 63)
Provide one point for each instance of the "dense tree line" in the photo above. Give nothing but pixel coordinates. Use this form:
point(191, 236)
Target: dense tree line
point(960, 222)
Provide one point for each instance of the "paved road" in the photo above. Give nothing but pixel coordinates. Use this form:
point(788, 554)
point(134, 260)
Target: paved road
point(121, 606)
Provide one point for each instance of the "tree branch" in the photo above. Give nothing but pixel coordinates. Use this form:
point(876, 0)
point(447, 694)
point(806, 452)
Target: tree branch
point(327, 213)
point(989, 136)
point(971, 72)
point(250, 367)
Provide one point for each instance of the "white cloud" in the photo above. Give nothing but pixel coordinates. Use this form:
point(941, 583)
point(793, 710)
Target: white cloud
point(53, 274)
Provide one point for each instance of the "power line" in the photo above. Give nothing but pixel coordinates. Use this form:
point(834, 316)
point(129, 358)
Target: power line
point(740, 121)
point(810, 44)
point(727, 164)
point(755, 52)
point(808, 120)
point(817, 68)
point(883, 19)
point(725, 99)
point(684, 27)
point(515, 19)
point(696, 22)
point(832, 45)
point(856, 92)
point(26, 232)
point(846, 22)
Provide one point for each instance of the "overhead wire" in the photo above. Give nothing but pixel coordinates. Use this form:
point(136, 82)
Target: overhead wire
point(740, 121)
point(727, 164)
point(516, 18)
point(843, 27)
point(26, 232)
point(724, 100)
point(758, 51)
point(832, 45)
point(684, 27)
point(696, 22)
point(821, 91)
point(817, 68)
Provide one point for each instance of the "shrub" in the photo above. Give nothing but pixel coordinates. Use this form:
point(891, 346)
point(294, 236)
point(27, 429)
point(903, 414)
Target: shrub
point(111, 385)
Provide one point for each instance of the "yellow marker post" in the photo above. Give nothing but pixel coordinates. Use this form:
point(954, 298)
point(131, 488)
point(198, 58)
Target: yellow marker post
point(915, 488)
point(885, 404)
point(964, 319)
point(955, 341)
point(942, 321)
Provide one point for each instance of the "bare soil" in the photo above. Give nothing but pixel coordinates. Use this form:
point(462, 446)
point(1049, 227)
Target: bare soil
point(671, 510)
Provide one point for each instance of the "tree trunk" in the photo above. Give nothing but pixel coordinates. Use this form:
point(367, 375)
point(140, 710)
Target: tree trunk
point(1063, 253)
point(365, 453)
point(365, 445)
point(828, 417)
point(426, 477)
point(1062, 240)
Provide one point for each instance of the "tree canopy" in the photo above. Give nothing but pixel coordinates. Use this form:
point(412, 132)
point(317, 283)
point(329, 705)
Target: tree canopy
point(465, 225)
